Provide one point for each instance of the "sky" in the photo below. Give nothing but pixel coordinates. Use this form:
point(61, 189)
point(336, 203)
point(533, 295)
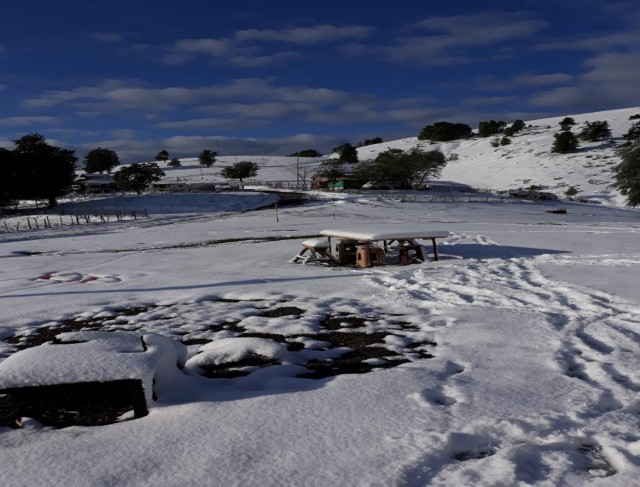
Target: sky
point(276, 77)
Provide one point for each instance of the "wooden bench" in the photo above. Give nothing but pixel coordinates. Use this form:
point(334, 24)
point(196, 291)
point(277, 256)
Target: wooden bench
point(317, 249)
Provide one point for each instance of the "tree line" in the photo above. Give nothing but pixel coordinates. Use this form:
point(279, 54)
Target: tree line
point(38, 170)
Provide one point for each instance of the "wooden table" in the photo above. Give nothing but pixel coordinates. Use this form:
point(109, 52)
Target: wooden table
point(406, 237)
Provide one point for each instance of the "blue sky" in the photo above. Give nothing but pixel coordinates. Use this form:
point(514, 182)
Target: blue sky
point(274, 77)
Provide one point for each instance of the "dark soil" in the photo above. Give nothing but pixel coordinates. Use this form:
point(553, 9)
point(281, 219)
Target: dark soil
point(84, 404)
point(96, 404)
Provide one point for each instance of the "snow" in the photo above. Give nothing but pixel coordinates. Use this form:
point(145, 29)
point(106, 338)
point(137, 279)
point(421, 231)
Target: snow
point(531, 319)
point(384, 232)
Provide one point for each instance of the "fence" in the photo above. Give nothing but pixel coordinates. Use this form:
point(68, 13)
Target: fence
point(17, 224)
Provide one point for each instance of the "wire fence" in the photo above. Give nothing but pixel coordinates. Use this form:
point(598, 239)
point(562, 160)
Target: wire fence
point(38, 222)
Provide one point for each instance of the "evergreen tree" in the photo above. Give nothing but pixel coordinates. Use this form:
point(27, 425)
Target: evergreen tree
point(566, 123)
point(565, 142)
point(365, 142)
point(162, 156)
point(174, 162)
point(633, 133)
point(594, 131)
point(100, 160)
point(487, 129)
point(571, 192)
point(348, 154)
point(445, 131)
point(627, 173)
point(306, 153)
point(207, 157)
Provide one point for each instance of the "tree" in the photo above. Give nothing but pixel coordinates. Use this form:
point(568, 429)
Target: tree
point(565, 142)
point(241, 170)
point(487, 129)
point(518, 125)
point(406, 169)
point(207, 157)
point(7, 176)
point(162, 156)
point(627, 173)
point(445, 131)
point(365, 142)
point(571, 192)
point(633, 133)
point(174, 162)
point(333, 169)
point(306, 153)
point(42, 171)
point(137, 177)
point(566, 123)
point(594, 131)
point(100, 160)
point(514, 128)
point(348, 154)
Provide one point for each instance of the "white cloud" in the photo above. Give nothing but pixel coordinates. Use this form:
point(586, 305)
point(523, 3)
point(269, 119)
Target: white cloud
point(487, 100)
point(247, 49)
point(28, 120)
point(452, 40)
point(319, 34)
point(609, 82)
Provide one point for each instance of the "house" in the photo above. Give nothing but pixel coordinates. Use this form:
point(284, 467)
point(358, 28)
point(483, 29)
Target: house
point(97, 183)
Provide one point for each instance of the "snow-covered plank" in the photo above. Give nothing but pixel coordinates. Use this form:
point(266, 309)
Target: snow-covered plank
point(385, 232)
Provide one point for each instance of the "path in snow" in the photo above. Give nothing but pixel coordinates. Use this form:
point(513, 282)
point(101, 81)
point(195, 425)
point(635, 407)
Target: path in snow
point(591, 335)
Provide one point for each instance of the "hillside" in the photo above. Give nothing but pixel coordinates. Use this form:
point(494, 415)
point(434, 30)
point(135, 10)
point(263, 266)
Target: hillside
point(526, 161)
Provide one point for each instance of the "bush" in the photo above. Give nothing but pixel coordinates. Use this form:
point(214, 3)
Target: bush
point(571, 192)
point(565, 142)
point(487, 129)
point(566, 123)
point(505, 141)
point(594, 131)
point(627, 173)
point(445, 131)
point(633, 133)
point(634, 117)
point(306, 153)
point(365, 142)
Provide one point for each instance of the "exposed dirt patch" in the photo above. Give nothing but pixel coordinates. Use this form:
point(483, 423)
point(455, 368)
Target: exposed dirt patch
point(83, 404)
point(284, 311)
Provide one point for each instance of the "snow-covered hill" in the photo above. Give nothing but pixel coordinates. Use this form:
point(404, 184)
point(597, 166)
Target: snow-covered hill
point(527, 161)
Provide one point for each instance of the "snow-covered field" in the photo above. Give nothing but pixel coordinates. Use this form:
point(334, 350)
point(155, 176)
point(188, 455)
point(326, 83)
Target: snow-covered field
point(530, 319)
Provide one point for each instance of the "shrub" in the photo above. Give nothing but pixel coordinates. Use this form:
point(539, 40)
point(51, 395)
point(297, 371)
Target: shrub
point(445, 131)
point(633, 133)
point(487, 129)
point(627, 173)
point(565, 142)
point(594, 131)
point(566, 123)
